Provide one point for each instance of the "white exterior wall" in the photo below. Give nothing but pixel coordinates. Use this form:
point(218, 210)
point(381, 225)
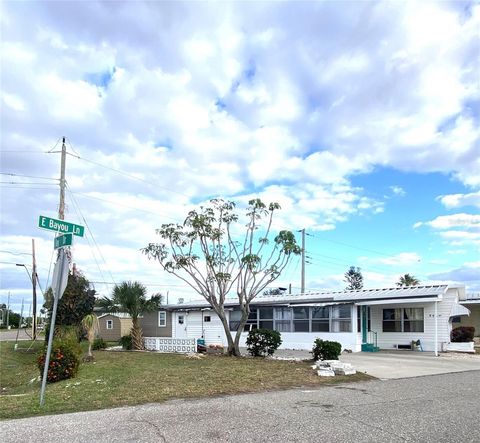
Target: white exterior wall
point(389, 340)
point(304, 340)
point(212, 331)
point(215, 334)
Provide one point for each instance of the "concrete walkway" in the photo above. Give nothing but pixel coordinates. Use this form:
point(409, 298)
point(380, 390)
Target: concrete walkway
point(399, 364)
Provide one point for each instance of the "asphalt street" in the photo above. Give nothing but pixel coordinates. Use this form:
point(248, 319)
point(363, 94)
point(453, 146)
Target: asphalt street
point(438, 408)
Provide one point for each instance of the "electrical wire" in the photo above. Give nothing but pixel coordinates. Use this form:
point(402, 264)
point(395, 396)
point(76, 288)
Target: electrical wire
point(28, 176)
point(91, 234)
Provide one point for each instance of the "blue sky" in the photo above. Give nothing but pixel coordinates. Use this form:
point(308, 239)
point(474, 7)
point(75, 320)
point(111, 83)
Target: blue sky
point(360, 118)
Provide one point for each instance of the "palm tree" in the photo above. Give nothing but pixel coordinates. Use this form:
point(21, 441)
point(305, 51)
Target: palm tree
point(408, 280)
point(130, 297)
point(90, 324)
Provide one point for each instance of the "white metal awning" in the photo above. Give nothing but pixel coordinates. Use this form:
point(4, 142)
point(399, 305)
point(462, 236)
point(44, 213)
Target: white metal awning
point(397, 301)
point(459, 310)
point(316, 305)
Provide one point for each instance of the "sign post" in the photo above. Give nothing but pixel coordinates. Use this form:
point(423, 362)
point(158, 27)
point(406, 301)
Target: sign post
point(59, 283)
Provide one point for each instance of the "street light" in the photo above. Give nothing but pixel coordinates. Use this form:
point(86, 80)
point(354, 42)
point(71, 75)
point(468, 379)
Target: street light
point(33, 279)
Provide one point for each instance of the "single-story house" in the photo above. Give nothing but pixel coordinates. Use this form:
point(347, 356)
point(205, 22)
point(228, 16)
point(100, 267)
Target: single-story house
point(361, 320)
point(111, 327)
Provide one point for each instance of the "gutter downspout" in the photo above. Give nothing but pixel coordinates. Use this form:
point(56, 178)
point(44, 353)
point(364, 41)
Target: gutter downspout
point(436, 328)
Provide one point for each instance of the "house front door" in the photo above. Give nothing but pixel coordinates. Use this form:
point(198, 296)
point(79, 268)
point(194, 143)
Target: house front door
point(181, 324)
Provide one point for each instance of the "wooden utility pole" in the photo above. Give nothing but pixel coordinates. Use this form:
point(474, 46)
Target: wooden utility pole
point(302, 285)
point(34, 293)
point(61, 208)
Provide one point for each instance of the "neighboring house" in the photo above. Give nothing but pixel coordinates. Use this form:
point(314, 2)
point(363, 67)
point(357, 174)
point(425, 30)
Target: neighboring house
point(472, 303)
point(389, 318)
point(157, 323)
point(114, 326)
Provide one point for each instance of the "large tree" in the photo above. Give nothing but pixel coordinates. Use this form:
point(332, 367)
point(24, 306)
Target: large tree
point(131, 297)
point(217, 253)
point(354, 278)
point(407, 280)
point(77, 301)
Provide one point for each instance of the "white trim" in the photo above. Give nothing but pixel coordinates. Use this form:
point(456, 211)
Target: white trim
point(396, 301)
point(111, 323)
point(164, 325)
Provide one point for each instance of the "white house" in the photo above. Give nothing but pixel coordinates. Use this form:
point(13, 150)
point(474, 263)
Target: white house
point(361, 320)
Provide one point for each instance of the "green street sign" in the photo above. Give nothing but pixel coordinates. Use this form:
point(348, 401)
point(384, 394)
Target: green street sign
point(63, 240)
point(60, 226)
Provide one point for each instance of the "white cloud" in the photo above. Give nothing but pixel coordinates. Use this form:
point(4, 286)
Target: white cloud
point(459, 200)
point(198, 101)
point(468, 221)
point(398, 190)
point(401, 259)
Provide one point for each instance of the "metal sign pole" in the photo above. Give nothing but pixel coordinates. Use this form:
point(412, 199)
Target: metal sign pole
point(57, 293)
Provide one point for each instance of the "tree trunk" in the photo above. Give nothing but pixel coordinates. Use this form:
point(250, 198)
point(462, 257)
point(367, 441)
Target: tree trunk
point(137, 338)
point(90, 355)
point(231, 345)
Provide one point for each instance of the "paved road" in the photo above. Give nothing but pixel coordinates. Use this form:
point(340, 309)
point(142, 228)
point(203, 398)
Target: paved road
point(439, 408)
point(11, 335)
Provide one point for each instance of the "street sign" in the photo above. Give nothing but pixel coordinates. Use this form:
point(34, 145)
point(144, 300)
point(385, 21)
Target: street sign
point(61, 226)
point(62, 241)
point(60, 275)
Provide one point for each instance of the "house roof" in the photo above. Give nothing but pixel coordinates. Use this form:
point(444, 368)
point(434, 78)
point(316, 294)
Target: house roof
point(333, 297)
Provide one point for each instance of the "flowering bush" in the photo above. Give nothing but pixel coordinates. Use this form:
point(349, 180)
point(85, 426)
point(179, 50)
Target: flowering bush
point(64, 362)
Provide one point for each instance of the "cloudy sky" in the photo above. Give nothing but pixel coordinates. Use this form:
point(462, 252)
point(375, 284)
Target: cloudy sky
point(360, 118)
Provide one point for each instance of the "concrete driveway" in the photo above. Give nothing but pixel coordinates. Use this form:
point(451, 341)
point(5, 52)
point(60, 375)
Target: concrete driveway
point(405, 364)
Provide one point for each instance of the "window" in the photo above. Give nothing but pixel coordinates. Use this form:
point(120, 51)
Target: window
point(206, 318)
point(392, 320)
point(301, 319)
point(413, 320)
point(109, 324)
point(265, 316)
point(341, 318)
point(162, 319)
point(283, 318)
point(403, 320)
point(321, 319)
point(181, 319)
point(235, 317)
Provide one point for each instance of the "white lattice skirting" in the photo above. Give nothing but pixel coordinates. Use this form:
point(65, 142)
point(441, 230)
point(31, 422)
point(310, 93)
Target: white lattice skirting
point(168, 344)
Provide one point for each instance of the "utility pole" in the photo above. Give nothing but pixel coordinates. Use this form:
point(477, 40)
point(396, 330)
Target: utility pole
point(8, 311)
point(302, 285)
point(34, 293)
point(61, 208)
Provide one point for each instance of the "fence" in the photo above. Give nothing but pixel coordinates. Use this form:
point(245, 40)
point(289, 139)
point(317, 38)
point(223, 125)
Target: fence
point(169, 344)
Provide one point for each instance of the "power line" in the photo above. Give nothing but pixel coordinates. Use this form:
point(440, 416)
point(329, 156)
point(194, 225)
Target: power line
point(351, 246)
point(28, 176)
point(91, 234)
point(122, 205)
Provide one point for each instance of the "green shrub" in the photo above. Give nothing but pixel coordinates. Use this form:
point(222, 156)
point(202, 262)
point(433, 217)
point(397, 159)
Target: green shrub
point(462, 334)
point(99, 343)
point(64, 361)
point(263, 342)
point(126, 342)
point(326, 350)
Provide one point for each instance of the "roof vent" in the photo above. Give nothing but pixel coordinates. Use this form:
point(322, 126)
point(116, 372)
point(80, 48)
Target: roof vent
point(180, 300)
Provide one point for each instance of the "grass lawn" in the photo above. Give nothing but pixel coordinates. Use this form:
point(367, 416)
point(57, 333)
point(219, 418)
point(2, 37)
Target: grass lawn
point(130, 378)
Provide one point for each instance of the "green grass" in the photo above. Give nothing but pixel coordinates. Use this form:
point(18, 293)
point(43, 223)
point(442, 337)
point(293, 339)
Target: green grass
point(130, 378)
